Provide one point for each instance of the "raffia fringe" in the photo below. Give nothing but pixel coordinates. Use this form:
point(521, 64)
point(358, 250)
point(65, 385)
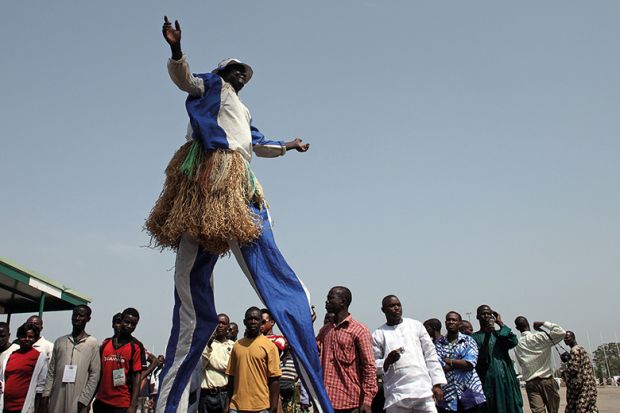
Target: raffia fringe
point(208, 201)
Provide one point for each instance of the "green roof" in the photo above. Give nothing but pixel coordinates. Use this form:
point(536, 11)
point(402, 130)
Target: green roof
point(25, 291)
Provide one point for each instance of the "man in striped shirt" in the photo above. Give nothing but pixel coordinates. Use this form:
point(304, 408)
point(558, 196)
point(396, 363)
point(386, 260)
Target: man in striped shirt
point(348, 363)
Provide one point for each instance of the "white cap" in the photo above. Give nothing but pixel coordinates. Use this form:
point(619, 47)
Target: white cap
point(232, 61)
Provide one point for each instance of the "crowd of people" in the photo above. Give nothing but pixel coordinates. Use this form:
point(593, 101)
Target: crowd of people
point(76, 373)
point(403, 366)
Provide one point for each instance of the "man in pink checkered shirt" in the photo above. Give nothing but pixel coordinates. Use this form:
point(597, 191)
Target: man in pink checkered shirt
point(349, 370)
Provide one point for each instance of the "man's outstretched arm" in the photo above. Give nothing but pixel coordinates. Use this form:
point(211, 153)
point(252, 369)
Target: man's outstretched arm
point(178, 68)
point(266, 148)
point(271, 149)
point(297, 144)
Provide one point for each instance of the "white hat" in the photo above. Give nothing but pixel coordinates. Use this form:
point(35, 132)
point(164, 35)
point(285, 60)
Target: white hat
point(232, 61)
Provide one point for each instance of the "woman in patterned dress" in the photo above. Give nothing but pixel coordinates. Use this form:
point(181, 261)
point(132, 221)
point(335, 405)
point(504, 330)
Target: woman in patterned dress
point(579, 378)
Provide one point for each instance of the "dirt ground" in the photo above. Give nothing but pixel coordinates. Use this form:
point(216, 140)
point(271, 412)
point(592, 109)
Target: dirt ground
point(608, 400)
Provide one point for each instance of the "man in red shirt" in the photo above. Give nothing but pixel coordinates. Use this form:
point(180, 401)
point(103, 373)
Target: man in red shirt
point(266, 328)
point(121, 364)
point(348, 362)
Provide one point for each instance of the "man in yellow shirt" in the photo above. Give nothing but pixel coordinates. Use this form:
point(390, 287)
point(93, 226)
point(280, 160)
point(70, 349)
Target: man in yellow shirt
point(254, 370)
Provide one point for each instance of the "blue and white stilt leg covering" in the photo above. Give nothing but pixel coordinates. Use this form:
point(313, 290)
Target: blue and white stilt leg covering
point(286, 298)
point(194, 318)
point(193, 321)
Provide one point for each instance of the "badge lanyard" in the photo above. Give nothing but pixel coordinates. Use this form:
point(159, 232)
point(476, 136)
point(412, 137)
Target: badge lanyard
point(118, 375)
point(70, 372)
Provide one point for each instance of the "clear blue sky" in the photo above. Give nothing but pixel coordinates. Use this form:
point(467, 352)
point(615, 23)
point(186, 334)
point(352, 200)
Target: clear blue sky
point(461, 152)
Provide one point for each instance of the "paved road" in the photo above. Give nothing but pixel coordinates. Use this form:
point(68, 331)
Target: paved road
point(608, 400)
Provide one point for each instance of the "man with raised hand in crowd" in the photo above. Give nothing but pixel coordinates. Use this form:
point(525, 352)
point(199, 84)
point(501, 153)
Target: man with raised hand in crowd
point(74, 370)
point(406, 357)
point(534, 356)
point(215, 357)
point(42, 345)
point(348, 364)
point(458, 354)
point(253, 370)
point(121, 367)
point(433, 328)
point(6, 346)
point(495, 367)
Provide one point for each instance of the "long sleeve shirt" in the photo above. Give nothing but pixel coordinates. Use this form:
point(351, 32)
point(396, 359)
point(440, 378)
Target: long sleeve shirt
point(215, 361)
point(84, 354)
point(534, 351)
point(464, 385)
point(496, 370)
point(416, 371)
point(349, 370)
point(579, 374)
point(218, 117)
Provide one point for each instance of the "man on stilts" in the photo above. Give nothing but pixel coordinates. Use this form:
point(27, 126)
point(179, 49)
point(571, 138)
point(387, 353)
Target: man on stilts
point(211, 204)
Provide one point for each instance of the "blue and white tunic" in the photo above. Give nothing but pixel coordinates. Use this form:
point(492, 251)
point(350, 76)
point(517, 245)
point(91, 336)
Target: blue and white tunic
point(218, 118)
point(463, 386)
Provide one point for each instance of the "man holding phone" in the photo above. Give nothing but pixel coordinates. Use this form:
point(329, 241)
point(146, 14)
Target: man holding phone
point(406, 358)
point(495, 367)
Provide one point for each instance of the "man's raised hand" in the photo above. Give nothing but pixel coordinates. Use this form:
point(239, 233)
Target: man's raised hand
point(172, 36)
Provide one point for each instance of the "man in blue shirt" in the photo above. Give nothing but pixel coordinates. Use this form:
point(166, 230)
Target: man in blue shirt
point(458, 354)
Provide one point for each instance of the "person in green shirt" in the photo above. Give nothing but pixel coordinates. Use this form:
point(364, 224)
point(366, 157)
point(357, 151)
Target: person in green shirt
point(495, 367)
